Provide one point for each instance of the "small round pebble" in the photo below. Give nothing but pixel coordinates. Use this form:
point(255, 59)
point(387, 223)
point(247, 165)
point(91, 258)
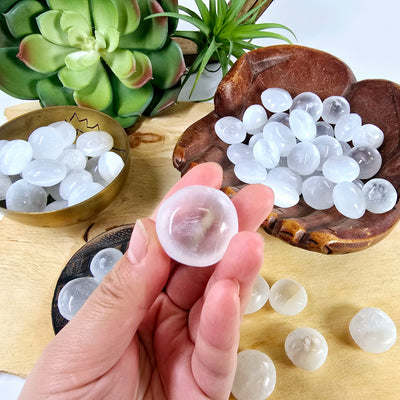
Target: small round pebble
point(276, 100)
point(255, 376)
point(369, 160)
point(281, 135)
point(93, 167)
point(267, 153)
point(103, 262)
point(288, 297)
point(368, 135)
point(73, 159)
point(230, 130)
point(346, 126)
point(317, 192)
point(281, 117)
point(304, 158)
point(56, 205)
point(44, 172)
point(259, 295)
point(288, 176)
point(196, 224)
point(74, 295)
point(67, 131)
point(110, 165)
point(250, 172)
point(46, 142)
point(373, 330)
point(73, 180)
point(239, 152)
point(309, 102)
point(254, 118)
point(94, 143)
point(285, 193)
point(328, 147)
point(15, 155)
point(254, 139)
point(84, 192)
point(333, 108)
point(5, 183)
point(22, 196)
point(349, 200)
point(340, 169)
point(306, 348)
point(380, 195)
point(303, 125)
point(323, 128)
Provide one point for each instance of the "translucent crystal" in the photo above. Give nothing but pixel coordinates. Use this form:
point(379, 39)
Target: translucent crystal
point(309, 102)
point(54, 192)
point(302, 125)
point(304, 158)
point(22, 196)
point(73, 180)
point(380, 195)
point(369, 160)
point(333, 108)
point(287, 297)
point(5, 183)
point(44, 172)
point(345, 147)
point(74, 295)
point(255, 376)
point(230, 130)
point(110, 165)
point(255, 138)
point(285, 193)
point(67, 131)
point(15, 156)
point(368, 135)
point(250, 171)
point(73, 159)
point(276, 100)
point(94, 143)
point(346, 125)
point(84, 192)
point(267, 153)
point(285, 174)
point(239, 152)
point(281, 135)
point(317, 192)
point(306, 348)
point(341, 168)
point(259, 295)
point(373, 330)
point(349, 200)
point(196, 224)
point(46, 142)
point(327, 146)
point(92, 166)
point(281, 117)
point(254, 118)
point(56, 205)
point(323, 128)
point(103, 262)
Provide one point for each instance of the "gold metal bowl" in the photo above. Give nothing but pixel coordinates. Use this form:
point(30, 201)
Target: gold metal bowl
point(83, 119)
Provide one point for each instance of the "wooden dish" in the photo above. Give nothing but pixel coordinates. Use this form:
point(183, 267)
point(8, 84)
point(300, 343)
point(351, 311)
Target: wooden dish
point(300, 69)
point(83, 119)
point(79, 264)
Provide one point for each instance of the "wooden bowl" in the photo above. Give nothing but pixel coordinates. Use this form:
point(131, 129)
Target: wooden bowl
point(300, 69)
point(79, 264)
point(83, 119)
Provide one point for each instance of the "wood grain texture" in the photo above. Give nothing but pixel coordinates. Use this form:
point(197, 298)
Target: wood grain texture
point(338, 285)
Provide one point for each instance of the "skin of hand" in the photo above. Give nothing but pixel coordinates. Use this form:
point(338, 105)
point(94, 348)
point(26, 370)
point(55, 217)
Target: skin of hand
point(155, 329)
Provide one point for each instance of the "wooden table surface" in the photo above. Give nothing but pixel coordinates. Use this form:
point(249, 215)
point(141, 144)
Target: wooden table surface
point(338, 286)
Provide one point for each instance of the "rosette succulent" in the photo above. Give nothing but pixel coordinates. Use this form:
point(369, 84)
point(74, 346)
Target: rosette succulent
point(101, 54)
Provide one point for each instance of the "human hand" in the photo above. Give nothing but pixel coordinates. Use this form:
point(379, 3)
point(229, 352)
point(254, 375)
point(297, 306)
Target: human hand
point(155, 329)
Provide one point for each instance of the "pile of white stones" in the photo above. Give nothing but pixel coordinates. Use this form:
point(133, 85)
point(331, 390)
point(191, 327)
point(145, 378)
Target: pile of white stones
point(304, 148)
point(55, 169)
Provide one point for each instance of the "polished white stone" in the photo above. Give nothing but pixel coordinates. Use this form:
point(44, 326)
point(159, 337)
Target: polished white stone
point(22, 196)
point(259, 295)
point(103, 262)
point(44, 172)
point(276, 100)
point(94, 143)
point(15, 155)
point(230, 130)
point(369, 160)
point(309, 102)
point(333, 108)
point(317, 192)
point(46, 142)
point(349, 200)
point(254, 118)
point(110, 165)
point(380, 195)
point(84, 192)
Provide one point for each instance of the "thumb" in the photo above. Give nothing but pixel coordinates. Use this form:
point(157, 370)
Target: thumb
point(107, 322)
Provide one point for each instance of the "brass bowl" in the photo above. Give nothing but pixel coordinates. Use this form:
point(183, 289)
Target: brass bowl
point(301, 69)
point(83, 119)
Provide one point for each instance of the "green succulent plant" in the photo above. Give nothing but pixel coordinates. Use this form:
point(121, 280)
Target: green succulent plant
point(101, 54)
point(223, 34)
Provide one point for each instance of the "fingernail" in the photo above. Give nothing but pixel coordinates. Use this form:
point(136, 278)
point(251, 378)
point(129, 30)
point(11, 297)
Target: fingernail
point(139, 242)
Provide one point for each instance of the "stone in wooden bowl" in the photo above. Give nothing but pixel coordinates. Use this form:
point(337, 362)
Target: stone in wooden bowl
point(299, 69)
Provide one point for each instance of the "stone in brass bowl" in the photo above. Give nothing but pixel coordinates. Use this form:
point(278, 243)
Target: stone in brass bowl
point(300, 69)
point(83, 119)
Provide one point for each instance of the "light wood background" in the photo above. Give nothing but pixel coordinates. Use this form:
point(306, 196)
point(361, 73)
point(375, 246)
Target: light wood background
point(31, 260)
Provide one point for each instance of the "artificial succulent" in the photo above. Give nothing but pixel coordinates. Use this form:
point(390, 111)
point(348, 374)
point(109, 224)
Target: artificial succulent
point(101, 54)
